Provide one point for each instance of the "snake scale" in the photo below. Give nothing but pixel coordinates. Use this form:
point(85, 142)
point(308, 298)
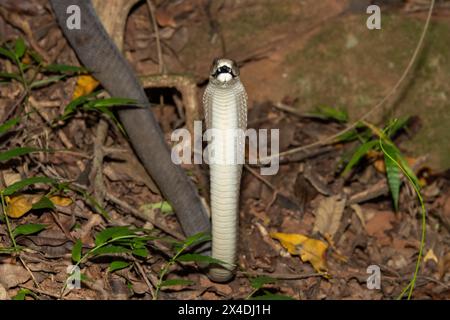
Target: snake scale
point(225, 107)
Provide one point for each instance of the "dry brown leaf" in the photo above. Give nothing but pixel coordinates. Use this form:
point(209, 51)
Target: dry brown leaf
point(379, 223)
point(11, 177)
point(444, 265)
point(310, 250)
point(12, 275)
point(129, 169)
point(329, 214)
point(165, 19)
point(358, 211)
point(3, 293)
point(379, 165)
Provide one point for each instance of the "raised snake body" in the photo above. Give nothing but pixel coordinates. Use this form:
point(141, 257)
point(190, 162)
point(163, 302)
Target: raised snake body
point(225, 106)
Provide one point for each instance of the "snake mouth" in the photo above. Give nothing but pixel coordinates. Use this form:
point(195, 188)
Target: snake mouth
point(224, 74)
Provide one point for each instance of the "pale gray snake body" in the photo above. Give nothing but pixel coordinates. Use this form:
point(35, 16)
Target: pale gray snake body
point(225, 107)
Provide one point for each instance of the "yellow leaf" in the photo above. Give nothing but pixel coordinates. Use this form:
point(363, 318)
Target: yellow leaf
point(379, 165)
point(61, 201)
point(85, 85)
point(310, 250)
point(430, 256)
point(19, 205)
point(26, 59)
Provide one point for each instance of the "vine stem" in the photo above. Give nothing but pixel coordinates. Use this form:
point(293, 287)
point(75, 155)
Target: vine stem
point(412, 283)
point(166, 269)
point(8, 225)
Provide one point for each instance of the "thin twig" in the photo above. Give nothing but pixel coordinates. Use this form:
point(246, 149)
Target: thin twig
point(147, 280)
point(40, 291)
point(29, 271)
point(158, 41)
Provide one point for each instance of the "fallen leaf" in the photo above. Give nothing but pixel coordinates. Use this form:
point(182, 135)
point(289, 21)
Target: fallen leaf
point(61, 201)
point(19, 205)
point(358, 211)
point(444, 265)
point(329, 214)
point(3, 293)
point(165, 18)
point(310, 250)
point(129, 169)
point(379, 165)
point(11, 177)
point(379, 223)
point(85, 85)
point(12, 275)
point(430, 256)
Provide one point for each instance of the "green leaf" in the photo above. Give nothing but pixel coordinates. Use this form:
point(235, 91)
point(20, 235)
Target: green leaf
point(196, 239)
point(140, 252)
point(43, 203)
point(176, 282)
point(23, 293)
point(85, 278)
point(8, 53)
point(348, 136)
point(19, 48)
point(112, 102)
point(76, 251)
point(392, 174)
point(325, 112)
point(118, 265)
point(271, 296)
point(195, 257)
point(16, 152)
point(258, 282)
point(396, 125)
point(74, 104)
point(24, 183)
point(359, 153)
point(110, 233)
point(63, 68)
point(46, 81)
point(36, 56)
point(164, 206)
point(8, 125)
point(8, 75)
point(26, 229)
point(392, 155)
point(110, 249)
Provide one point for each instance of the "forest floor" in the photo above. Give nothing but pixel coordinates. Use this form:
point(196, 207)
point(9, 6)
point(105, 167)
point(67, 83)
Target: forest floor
point(291, 63)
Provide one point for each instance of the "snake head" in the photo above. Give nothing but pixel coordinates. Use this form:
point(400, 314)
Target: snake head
point(224, 70)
